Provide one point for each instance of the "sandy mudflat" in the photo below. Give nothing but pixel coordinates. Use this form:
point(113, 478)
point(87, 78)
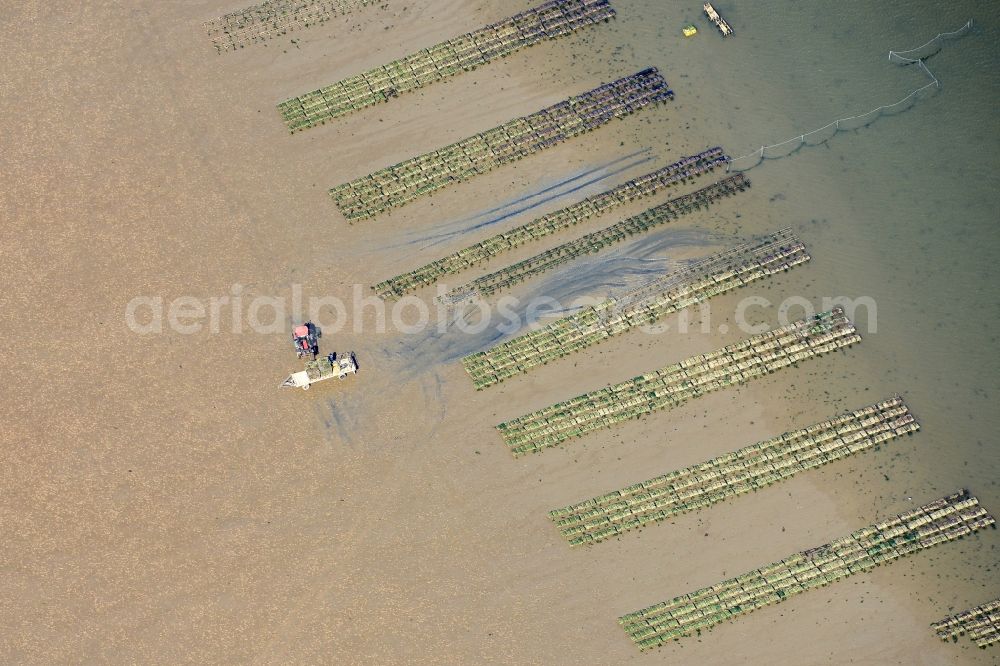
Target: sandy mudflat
point(163, 502)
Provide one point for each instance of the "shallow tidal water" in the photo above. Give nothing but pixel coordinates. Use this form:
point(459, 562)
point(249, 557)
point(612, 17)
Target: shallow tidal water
point(182, 507)
point(904, 211)
point(901, 213)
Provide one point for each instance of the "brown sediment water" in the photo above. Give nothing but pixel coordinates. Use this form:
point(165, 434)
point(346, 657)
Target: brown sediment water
point(164, 502)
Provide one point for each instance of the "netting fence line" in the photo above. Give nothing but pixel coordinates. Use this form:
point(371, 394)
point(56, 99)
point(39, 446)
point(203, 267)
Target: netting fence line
point(823, 134)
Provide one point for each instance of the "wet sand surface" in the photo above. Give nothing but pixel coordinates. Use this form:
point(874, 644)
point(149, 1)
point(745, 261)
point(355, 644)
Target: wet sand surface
point(163, 501)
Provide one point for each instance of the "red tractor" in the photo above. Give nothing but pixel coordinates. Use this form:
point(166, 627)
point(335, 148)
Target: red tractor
point(306, 339)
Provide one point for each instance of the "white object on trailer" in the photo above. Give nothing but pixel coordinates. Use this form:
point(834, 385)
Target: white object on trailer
point(322, 369)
